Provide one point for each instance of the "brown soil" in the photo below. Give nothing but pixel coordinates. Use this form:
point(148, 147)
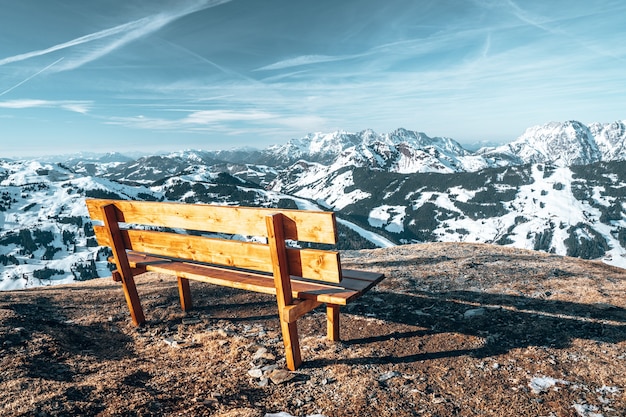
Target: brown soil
point(454, 330)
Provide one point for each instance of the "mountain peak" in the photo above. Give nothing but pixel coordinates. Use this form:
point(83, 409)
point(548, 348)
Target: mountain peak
point(562, 143)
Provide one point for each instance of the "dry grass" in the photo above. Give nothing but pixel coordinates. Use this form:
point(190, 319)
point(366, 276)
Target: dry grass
point(455, 330)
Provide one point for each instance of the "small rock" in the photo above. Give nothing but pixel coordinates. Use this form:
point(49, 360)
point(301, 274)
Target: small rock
point(280, 376)
point(259, 353)
point(438, 400)
point(388, 375)
point(170, 341)
point(263, 382)
point(269, 367)
point(191, 320)
point(262, 353)
point(222, 333)
point(474, 312)
point(255, 373)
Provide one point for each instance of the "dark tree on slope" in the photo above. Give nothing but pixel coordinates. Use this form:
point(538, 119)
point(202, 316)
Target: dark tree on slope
point(543, 240)
point(348, 239)
point(103, 194)
point(426, 219)
point(83, 272)
point(580, 246)
point(49, 253)
point(43, 237)
point(47, 273)
point(8, 260)
point(27, 241)
point(69, 238)
point(611, 213)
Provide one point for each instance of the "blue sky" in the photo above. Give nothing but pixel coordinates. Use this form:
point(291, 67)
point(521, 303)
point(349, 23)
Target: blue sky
point(152, 75)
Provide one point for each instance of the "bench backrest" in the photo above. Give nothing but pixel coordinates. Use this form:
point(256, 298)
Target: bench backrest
point(134, 219)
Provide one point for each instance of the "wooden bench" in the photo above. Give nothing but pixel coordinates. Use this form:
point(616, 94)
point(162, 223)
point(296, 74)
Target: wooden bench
point(173, 238)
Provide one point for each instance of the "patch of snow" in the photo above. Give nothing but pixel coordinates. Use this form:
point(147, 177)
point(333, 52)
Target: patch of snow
point(586, 410)
point(391, 218)
point(544, 384)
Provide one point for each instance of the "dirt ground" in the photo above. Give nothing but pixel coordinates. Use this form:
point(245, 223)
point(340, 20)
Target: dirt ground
point(454, 330)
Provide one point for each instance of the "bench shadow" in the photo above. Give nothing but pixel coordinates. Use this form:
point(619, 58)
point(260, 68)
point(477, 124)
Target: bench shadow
point(37, 316)
point(502, 322)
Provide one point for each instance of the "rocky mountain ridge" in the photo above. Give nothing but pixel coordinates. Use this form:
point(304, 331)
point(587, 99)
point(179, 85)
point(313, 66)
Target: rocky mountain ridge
point(406, 151)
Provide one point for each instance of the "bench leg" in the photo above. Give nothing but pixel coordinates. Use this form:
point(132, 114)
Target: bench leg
point(184, 293)
point(332, 322)
point(292, 344)
point(132, 299)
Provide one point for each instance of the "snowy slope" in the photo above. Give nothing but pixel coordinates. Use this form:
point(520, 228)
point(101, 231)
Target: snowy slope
point(44, 237)
point(45, 233)
point(565, 210)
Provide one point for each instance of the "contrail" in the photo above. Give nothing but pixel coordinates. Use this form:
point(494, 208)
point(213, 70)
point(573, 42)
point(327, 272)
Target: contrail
point(74, 42)
point(129, 31)
point(32, 76)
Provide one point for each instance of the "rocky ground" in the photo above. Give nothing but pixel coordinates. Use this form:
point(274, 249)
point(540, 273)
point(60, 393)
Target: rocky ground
point(454, 330)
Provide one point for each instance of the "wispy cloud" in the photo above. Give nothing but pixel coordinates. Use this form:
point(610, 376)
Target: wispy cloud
point(31, 77)
point(223, 121)
point(73, 106)
point(112, 38)
point(217, 116)
point(306, 60)
point(548, 25)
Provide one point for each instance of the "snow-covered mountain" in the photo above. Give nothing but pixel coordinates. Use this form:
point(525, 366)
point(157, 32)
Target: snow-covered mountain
point(325, 162)
point(399, 151)
point(565, 144)
point(552, 189)
point(610, 139)
point(547, 190)
point(404, 151)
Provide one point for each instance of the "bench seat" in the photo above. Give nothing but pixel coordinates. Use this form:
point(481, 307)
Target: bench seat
point(353, 284)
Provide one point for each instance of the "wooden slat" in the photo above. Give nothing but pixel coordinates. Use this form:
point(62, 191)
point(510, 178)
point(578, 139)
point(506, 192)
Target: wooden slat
point(315, 264)
point(362, 275)
point(195, 248)
point(309, 226)
point(309, 263)
point(257, 282)
point(227, 278)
